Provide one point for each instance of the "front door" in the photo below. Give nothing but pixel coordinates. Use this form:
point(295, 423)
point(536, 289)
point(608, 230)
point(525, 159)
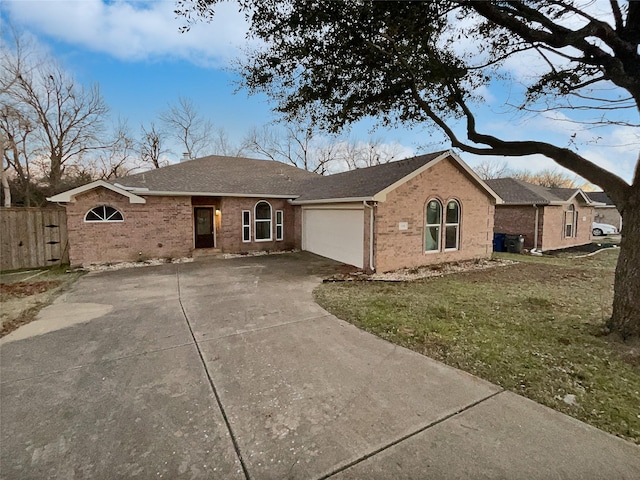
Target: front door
point(204, 227)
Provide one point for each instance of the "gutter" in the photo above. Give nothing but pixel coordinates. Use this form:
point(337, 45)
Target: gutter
point(366, 205)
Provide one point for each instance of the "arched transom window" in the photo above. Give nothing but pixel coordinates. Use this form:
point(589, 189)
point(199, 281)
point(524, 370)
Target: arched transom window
point(103, 213)
point(262, 220)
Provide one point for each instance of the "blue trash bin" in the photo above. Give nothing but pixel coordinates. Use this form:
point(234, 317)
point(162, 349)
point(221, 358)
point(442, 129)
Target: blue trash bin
point(499, 241)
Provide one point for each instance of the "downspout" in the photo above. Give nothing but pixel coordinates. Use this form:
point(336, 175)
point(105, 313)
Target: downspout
point(535, 232)
point(371, 266)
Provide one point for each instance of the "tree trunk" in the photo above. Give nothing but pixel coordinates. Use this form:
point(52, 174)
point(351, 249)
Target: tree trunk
point(5, 181)
point(625, 320)
point(55, 175)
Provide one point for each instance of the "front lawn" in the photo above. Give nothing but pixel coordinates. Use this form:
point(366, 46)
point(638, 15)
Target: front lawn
point(535, 328)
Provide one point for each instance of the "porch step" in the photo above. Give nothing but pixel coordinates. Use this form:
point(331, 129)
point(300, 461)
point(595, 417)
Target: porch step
point(206, 252)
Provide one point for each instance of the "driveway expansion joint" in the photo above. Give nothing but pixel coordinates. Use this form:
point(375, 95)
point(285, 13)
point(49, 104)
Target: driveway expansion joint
point(375, 452)
point(236, 446)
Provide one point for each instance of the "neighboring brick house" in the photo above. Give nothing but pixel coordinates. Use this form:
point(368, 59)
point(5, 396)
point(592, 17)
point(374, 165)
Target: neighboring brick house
point(605, 210)
point(548, 218)
point(427, 209)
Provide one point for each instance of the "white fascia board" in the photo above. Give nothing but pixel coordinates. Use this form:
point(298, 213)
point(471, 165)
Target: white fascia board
point(382, 195)
point(586, 199)
point(333, 200)
point(69, 195)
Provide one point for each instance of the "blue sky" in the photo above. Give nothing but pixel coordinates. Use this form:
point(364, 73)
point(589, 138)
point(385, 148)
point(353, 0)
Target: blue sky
point(134, 51)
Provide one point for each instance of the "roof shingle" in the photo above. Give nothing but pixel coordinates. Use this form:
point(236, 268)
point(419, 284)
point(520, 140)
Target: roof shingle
point(363, 182)
point(223, 175)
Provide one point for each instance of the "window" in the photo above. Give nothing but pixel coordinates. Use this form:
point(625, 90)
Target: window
point(103, 213)
point(570, 222)
point(246, 226)
point(279, 225)
point(432, 227)
point(262, 222)
point(452, 230)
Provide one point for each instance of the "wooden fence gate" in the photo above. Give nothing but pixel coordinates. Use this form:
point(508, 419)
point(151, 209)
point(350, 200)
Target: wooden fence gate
point(33, 237)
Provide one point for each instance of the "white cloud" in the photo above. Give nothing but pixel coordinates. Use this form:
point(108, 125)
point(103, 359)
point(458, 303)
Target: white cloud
point(134, 30)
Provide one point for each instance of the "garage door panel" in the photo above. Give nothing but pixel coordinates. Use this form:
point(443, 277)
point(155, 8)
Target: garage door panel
point(335, 233)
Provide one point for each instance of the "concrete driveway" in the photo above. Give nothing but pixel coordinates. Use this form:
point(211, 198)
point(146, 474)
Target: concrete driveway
point(228, 369)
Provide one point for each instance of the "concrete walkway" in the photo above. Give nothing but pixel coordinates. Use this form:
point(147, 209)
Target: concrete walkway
point(228, 369)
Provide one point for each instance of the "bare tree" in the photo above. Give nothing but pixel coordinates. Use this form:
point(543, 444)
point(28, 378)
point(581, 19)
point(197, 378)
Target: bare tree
point(490, 168)
point(296, 143)
point(151, 146)
point(12, 65)
point(119, 157)
point(17, 132)
point(69, 117)
point(358, 154)
point(222, 145)
point(550, 178)
point(185, 124)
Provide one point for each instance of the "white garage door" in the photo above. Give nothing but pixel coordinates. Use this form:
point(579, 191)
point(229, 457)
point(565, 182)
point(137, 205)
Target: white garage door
point(334, 233)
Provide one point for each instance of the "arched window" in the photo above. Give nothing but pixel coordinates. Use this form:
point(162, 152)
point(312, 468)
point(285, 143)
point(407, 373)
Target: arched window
point(452, 226)
point(432, 226)
point(103, 213)
point(262, 222)
point(570, 222)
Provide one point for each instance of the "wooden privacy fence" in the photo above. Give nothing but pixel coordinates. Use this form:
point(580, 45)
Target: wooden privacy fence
point(33, 237)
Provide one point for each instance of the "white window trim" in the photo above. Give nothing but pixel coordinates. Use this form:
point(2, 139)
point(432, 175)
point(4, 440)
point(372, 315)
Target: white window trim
point(574, 223)
point(428, 225)
point(256, 220)
point(457, 225)
point(246, 225)
point(280, 224)
point(107, 220)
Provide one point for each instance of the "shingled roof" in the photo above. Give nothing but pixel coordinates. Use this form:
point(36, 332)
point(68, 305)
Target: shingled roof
point(518, 192)
point(233, 176)
point(601, 197)
point(363, 183)
point(215, 175)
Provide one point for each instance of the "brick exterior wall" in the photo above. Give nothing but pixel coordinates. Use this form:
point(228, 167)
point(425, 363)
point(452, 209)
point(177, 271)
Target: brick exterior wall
point(164, 227)
point(395, 248)
point(229, 230)
point(553, 228)
point(160, 228)
point(520, 219)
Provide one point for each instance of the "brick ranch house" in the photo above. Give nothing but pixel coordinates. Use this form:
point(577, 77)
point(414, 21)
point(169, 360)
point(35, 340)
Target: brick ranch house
point(549, 218)
point(422, 210)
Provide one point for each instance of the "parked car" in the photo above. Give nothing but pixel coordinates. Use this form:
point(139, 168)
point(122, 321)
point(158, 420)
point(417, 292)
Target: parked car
point(599, 229)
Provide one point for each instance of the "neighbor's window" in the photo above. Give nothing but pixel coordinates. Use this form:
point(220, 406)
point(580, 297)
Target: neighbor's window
point(279, 225)
point(262, 222)
point(570, 222)
point(432, 227)
point(246, 226)
point(103, 213)
point(452, 226)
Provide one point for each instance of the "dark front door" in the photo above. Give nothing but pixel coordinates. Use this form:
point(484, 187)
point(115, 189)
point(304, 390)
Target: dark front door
point(204, 227)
